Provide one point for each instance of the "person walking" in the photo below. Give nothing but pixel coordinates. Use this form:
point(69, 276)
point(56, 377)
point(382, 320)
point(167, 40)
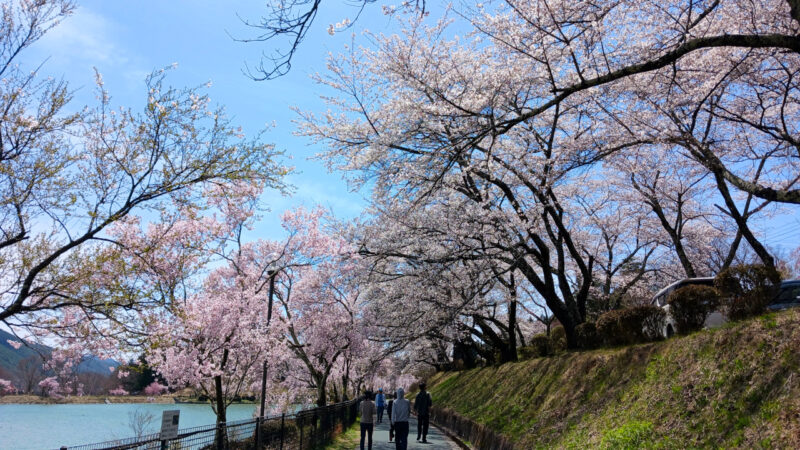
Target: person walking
point(380, 402)
point(422, 406)
point(389, 411)
point(367, 410)
point(400, 411)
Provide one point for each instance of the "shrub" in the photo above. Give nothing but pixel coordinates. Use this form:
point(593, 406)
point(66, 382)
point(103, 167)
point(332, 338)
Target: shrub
point(586, 335)
point(558, 339)
point(653, 320)
point(609, 327)
point(691, 305)
point(747, 289)
point(538, 347)
point(632, 435)
point(631, 325)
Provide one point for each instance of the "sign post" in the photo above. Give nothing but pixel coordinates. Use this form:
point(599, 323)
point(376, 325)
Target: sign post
point(169, 426)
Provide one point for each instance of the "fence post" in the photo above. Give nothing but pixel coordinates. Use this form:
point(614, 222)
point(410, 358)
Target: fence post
point(164, 444)
point(258, 432)
point(323, 425)
point(300, 425)
point(314, 430)
point(283, 416)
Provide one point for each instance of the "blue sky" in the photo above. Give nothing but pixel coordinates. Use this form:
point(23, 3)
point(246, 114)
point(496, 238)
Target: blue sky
point(125, 41)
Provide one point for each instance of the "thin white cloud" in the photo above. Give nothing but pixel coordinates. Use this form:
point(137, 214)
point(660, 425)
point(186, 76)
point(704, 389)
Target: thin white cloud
point(84, 38)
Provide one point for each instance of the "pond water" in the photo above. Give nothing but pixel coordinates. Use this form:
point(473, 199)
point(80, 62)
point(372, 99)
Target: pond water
point(52, 426)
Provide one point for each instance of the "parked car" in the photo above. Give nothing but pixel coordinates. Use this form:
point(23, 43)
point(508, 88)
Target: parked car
point(788, 296)
point(661, 297)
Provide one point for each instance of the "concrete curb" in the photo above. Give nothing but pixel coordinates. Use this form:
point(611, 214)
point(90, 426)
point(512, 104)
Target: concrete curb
point(452, 437)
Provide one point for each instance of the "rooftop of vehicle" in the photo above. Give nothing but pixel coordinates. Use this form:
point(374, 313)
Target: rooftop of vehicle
point(698, 280)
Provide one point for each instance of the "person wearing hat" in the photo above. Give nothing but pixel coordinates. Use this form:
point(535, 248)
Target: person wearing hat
point(380, 403)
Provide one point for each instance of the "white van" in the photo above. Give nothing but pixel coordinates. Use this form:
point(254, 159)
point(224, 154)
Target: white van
point(788, 297)
point(714, 319)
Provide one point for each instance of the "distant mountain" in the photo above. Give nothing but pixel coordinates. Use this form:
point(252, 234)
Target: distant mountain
point(10, 356)
point(96, 365)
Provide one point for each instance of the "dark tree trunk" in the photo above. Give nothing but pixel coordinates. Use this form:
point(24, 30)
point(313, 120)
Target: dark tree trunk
point(512, 327)
point(221, 412)
point(321, 391)
point(465, 352)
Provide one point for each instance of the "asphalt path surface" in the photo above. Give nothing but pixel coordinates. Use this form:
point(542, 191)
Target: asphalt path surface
point(436, 439)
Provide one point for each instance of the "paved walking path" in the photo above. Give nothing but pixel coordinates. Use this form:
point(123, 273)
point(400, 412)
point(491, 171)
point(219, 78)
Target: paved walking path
point(436, 439)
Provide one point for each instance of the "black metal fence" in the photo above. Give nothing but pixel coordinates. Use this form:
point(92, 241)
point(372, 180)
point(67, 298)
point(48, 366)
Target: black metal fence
point(480, 436)
point(307, 429)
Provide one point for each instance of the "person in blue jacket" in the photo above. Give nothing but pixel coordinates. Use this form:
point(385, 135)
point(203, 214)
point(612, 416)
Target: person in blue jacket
point(380, 402)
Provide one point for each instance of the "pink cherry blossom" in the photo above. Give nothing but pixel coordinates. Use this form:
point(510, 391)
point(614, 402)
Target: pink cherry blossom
point(154, 389)
point(118, 391)
point(50, 387)
point(6, 387)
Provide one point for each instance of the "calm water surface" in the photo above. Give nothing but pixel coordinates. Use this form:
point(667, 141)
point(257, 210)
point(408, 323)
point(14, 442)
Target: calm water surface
point(51, 426)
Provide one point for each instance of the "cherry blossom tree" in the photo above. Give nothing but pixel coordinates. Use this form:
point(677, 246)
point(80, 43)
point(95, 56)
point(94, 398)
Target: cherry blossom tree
point(69, 179)
point(155, 388)
point(218, 337)
point(216, 340)
point(50, 387)
point(318, 309)
point(6, 387)
point(518, 117)
point(715, 77)
point(439, 281)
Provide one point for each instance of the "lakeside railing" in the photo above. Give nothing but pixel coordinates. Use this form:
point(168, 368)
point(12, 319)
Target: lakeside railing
point(306, 429)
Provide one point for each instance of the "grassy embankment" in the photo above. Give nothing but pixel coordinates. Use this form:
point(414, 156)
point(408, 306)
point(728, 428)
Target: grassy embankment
point(348, 440)
point(737, 386)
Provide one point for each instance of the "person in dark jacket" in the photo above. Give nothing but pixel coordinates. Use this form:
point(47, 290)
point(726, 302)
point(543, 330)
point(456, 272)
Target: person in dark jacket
point(422, 405)
point(389, 411)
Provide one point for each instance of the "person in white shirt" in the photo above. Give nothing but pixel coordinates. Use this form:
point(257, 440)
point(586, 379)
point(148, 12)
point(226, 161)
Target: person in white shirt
point(367, 410)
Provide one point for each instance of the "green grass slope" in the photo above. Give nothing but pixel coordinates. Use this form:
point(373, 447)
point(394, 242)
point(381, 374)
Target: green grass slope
point(737, 386)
